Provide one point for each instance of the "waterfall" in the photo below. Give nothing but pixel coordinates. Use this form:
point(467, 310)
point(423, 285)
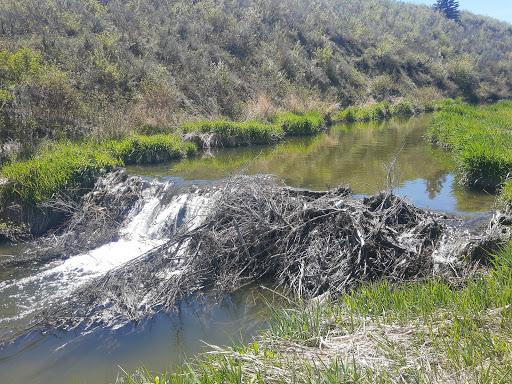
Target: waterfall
point(160, 209)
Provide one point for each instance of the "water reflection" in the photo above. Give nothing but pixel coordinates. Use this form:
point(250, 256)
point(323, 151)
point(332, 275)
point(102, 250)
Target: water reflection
point(357, 154)
point(101, 355)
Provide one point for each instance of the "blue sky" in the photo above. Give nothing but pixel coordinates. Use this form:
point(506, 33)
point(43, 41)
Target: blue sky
point(499, 9)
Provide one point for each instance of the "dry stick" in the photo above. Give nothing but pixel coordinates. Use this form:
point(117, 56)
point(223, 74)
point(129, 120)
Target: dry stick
point(237, 229)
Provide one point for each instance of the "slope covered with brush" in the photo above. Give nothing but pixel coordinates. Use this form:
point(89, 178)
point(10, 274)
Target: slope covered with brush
point(78, 68)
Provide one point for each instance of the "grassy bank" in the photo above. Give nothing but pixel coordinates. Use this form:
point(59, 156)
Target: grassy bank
point(480, 139)
point(64, 168)
point(308, 123)
point(386, 110)
point(72, 168)
point(426, 332)
point(222, 133)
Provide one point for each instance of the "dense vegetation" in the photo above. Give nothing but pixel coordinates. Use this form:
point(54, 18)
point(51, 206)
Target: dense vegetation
point(72, 68)
point(480, 139)
point(67, 169)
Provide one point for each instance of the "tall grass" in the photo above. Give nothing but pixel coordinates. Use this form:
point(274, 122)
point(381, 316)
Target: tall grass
point(385, 110)
point(426, 332)
point(236, 133)
point(58, 168)
point(481, 140)
point(308, 123)
point(138, 149)
point(72, 168)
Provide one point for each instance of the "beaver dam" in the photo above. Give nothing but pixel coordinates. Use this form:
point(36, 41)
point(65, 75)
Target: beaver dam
point(220, 237)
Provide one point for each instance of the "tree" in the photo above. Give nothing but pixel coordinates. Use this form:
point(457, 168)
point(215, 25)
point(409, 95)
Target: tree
point(449, 7)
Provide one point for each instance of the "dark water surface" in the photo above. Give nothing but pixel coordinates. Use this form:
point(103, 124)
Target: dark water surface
point(358, 154)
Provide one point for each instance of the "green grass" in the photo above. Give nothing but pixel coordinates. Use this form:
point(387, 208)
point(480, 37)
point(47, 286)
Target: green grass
point(58, 168)
point(425, 332)
point(506, 193)
point(481, 140)
point(72, 168)
point(138, 149)
point(236, 133)
point(385, 110)
point(308, 123)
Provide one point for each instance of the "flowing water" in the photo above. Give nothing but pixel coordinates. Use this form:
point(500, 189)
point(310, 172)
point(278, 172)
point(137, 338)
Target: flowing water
point(369, 157)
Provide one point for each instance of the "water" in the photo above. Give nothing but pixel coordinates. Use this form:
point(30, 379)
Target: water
point(358, 154)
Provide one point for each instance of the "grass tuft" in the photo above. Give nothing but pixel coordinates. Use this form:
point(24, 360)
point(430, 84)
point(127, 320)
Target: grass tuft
point(481, 140)
point(228, 133)
point(308, 123)
point(140, 149)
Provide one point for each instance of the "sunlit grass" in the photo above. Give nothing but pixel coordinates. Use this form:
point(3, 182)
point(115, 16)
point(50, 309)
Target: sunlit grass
point(481, 140)
point(57, 168)
point(244, 133)
point(138, 149)
point(423, 332)
point(307, 123)
point(72, 168)
point(386, 110)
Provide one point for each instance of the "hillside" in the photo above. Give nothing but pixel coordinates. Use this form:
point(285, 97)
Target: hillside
point(72, 68)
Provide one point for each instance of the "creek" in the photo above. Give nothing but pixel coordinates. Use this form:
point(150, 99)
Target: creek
point(358, 154)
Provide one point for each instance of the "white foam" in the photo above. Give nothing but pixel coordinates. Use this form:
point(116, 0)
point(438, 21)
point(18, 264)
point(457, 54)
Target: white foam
point(149, 224)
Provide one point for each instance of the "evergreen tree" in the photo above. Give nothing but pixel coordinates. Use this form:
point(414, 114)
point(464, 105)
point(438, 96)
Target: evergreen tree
point(449, 7)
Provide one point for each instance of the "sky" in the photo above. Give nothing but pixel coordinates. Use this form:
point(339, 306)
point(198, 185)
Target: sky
point(499, 9)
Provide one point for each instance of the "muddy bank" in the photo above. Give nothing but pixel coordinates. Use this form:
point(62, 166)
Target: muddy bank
point(167, 243)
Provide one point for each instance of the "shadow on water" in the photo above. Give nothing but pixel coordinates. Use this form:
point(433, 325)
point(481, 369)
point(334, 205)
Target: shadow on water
point(356, 154)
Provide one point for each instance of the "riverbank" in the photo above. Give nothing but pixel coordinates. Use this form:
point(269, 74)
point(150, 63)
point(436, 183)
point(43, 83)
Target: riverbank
point(66, 170)
point(434, 331)
point(447, 330)
point(480, 141)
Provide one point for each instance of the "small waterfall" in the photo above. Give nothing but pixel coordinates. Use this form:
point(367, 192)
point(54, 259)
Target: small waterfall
point(160, 209)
